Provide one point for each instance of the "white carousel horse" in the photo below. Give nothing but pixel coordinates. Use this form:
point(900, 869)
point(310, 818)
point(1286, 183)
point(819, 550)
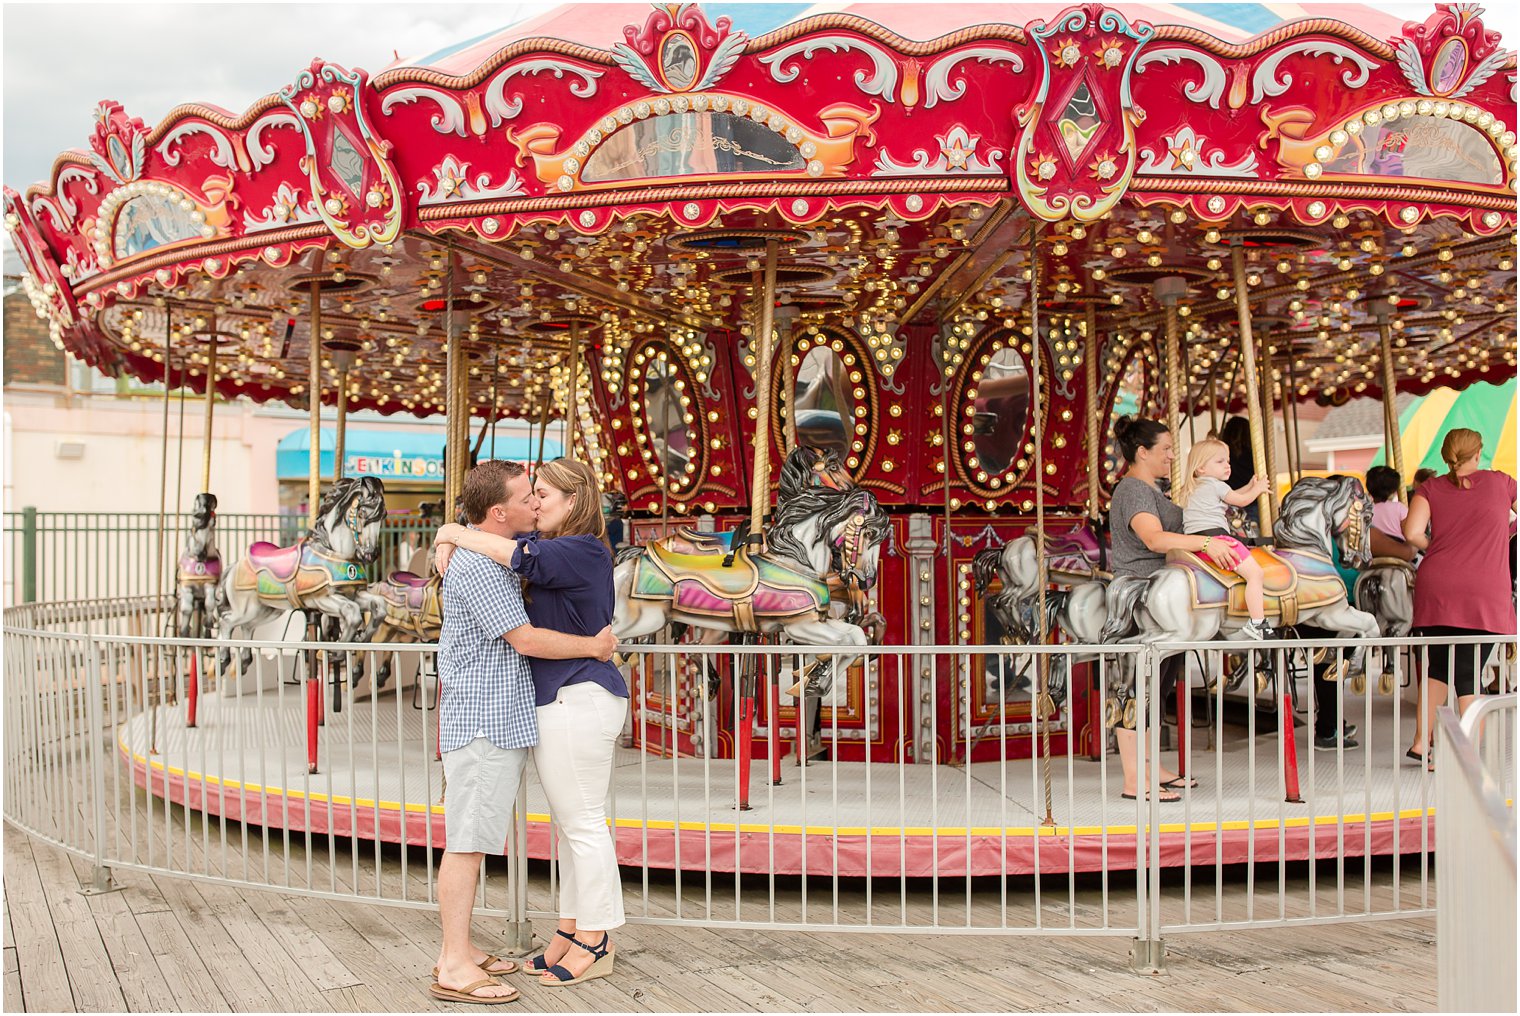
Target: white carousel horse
point(1190, 600)
point(824, 542)
point(324, 572)
point(200, 568)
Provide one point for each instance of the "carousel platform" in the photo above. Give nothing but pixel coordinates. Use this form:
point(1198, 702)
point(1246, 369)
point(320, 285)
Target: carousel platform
point(377, 779)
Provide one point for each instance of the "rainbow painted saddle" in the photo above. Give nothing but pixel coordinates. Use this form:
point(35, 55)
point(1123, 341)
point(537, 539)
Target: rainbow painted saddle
point(288, 575)
point(752, 590)
point(1292, 580)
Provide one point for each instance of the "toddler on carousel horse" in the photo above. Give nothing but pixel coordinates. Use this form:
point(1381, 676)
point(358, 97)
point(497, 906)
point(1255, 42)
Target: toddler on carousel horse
point(1202, 495)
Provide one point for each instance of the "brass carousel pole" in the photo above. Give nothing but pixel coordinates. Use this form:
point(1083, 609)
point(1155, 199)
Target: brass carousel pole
point(456, 428)
point(572, 386)
point(1187, 391)
point(1044, 705)
point(314, 400)
point(1169, 290)
point(1248, 364)
point(210, 407)
point(1094, 436)
point(789, 386)
point(495, 400)
point(1214, 397)
point(340, 434)
point(761, 479)
point(163, 487)
point(1269, 411)
point(1392, 439)
point(1290, 417)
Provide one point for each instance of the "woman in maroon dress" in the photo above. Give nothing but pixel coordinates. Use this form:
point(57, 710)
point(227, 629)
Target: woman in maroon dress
point(1462, 589)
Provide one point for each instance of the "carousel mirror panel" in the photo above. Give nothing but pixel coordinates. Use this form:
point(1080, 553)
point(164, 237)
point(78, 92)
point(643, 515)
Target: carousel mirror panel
point(824, 411)
point(995, 448)
point(824, 394)
point(1000, 410)
point(662, 392)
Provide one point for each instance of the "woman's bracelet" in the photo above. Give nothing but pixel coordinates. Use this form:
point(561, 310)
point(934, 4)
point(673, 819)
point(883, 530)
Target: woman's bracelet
point(1205, 548)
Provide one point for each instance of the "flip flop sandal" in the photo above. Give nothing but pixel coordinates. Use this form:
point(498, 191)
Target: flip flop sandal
point(537, 965)
point(467, 993)
point(1179, 782)
point(1164, 800)
point(486, 965)
point(601, 966)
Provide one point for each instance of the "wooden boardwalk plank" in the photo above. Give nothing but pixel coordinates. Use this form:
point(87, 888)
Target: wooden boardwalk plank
point(174, 944)
point(221, 954)
point(45, 984)
point(84, 954)
point(137, 973)
point(284, 974)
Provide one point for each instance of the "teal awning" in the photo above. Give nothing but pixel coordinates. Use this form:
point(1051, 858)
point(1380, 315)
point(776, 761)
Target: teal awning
point(409, 456)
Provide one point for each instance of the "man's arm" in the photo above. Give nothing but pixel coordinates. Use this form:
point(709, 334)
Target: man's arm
point(548, 644)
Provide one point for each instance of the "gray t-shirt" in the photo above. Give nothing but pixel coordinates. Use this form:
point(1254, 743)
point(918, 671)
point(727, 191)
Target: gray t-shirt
point(1133, 497)
point(1205, 507)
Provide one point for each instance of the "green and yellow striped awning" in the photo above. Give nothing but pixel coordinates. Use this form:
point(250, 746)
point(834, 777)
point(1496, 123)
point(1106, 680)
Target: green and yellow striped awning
point(1485, 408)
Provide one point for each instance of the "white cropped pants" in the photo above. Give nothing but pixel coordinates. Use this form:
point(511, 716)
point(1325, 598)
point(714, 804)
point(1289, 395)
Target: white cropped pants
point(577, 735)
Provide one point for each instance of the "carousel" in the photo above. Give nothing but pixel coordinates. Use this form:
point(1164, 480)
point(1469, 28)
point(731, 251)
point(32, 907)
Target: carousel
point(844, 308)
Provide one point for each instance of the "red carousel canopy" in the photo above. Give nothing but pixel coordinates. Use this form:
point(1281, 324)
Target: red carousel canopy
point(624, 178)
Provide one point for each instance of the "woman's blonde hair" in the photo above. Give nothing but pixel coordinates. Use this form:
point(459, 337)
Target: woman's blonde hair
point(571, 476)
point(1197, 456)
point(1460, 445)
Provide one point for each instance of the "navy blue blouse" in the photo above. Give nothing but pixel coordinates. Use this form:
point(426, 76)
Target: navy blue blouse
point(569, 581)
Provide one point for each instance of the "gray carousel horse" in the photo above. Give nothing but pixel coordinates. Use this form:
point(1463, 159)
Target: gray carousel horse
point(824, 547)
point(200, 569)
point(323, 573)
point(1191, 600)
point(1385, 589)
point(1078, 611)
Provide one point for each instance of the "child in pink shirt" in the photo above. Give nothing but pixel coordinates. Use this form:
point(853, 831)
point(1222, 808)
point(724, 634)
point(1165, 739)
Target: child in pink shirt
point(1388, 512)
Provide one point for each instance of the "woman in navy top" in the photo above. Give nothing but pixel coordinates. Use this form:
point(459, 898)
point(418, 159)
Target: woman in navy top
point(566, 570)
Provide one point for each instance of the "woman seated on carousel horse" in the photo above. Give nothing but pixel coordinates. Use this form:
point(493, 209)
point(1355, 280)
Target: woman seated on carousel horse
point(1145, 524)
point(1202, 496)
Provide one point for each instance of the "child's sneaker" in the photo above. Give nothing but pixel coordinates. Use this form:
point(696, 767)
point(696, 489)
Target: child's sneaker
point(1257, 630)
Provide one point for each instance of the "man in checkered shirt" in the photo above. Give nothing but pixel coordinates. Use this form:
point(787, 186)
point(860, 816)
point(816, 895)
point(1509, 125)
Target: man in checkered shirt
point(487, 720)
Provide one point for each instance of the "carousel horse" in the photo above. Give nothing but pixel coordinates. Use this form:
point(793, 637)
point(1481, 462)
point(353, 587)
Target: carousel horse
point(1074, 557)
point(200, 569)
point(824, 545)
point(1385, 589)
point(324, 572)
point(1192, 600)
point(406, 607)
point(1079, 611)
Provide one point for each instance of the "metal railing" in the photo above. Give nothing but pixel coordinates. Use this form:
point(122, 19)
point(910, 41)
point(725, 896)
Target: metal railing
point(100, 759)
point(1475, 821)
point(68, 556)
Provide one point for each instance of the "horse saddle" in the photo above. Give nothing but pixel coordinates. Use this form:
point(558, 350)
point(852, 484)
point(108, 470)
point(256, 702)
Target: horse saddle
point(407, 590)
point(1292, 581)
point(1392, 562)
point(752, 588)
point(1075, 553)
point(293, 573)
point(193, 570)
point(686, 540)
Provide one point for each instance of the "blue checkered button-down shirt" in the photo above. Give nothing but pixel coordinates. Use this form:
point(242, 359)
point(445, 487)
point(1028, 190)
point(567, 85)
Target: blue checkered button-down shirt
point(487, 686)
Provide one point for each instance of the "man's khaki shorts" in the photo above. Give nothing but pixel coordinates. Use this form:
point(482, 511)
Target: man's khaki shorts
point(480, 795)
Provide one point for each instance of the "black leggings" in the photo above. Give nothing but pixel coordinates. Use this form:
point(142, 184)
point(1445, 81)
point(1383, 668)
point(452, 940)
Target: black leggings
point(1453, 665)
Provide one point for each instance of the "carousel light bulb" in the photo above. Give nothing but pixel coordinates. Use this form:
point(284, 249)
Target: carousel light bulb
point(1445, 254)
point(1145, 236)
point(1344, 264)
point(1211, 236)
point(1078, 232)
point(1118, 250)
point(1341, 221)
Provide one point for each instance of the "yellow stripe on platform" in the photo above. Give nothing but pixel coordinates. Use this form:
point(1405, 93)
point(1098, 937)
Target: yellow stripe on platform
point(876, 832)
